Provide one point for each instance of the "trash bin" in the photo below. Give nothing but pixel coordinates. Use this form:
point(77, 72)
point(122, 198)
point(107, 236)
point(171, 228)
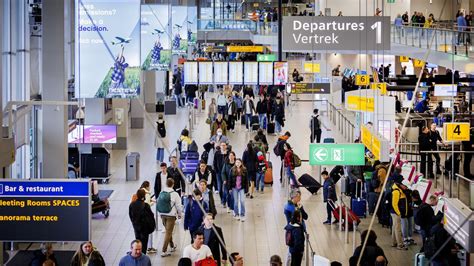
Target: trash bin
point(132, 169)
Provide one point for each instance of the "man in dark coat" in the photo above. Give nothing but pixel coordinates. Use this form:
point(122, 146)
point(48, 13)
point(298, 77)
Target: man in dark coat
point(143, 219)
point(212, 240)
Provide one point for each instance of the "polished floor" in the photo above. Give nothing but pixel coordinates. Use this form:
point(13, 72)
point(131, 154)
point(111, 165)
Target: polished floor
point(261, 235)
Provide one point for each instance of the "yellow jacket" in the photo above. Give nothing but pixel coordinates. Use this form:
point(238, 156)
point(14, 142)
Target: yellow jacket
point(399, 201)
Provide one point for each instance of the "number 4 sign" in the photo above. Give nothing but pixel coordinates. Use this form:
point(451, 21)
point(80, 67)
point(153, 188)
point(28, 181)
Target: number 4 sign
point(456, 131)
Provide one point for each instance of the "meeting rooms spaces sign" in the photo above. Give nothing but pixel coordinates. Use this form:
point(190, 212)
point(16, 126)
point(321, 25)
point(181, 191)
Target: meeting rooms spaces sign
point(306, 33)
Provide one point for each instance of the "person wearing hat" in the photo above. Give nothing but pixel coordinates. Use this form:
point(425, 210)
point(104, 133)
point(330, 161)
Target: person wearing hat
point(262, 166)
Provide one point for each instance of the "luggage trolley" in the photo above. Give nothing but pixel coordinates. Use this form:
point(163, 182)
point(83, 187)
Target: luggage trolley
point(98, 204)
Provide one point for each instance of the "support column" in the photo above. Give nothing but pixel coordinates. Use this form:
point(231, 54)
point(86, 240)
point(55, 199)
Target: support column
point(94, 113)
point(137, 114)
point(280, 28)
point(120, 118)
point(148, 90)
point(54, 126)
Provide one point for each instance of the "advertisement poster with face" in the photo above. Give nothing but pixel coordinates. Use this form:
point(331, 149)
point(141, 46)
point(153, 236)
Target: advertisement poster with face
point(280, 74)
point(180, 22)
point(192, 25)
point(108, 50)
point(156, 37)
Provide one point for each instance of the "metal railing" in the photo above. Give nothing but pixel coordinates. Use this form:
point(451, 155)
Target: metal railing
point(469, 201)
point(447, 39)
point(342, 123)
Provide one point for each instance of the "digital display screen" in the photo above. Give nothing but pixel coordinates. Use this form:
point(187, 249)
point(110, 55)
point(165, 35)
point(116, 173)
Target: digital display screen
point(93, 134)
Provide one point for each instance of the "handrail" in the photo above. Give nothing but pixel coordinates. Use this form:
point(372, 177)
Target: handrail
point(309, 255)
point(471, 189)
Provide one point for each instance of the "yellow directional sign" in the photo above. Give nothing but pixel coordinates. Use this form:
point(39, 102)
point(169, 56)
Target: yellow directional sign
point(362, 80)
point(310, 67)
point(381, 86)
point(360, 103)
point(456, 131)
point(404, 59)
point(418, 63)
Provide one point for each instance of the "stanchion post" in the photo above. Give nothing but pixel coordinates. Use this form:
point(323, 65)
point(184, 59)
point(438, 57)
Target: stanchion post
point(346, 235)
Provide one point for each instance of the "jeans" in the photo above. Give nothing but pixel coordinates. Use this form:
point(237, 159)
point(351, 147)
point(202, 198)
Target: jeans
point(229, 198)
point(239, 196)
point(407, 227)
point(396, 230)
point(261, 120)
point(179, 100)
point(248, 121)
point(168, 223)
point(296, 258)
point(259, 183)
point(221, 109)
point(291, 176)
point(160, 154)
point(329, 211)
point(230, 122)
point(277, 127)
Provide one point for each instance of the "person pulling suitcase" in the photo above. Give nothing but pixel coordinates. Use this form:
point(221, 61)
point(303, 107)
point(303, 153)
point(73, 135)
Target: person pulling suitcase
point(329, 194)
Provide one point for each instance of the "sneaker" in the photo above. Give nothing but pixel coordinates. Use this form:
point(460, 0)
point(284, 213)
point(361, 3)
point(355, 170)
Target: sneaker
point(236, 217)
point(228, 210)
point(335, 222)
point(216, 192)
point(242, 219)
point(326, 222)
point(412, 242)
point(173, 248)
point(151, 250)
point(251, 196)
point(165, 254)
point(394, 245)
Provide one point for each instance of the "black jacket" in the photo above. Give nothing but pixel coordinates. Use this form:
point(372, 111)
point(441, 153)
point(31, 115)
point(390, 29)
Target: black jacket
point(39, 258)
point(434, 138)
point(250, 161)
point(424, 217)
point(219, 160)
point(215, 245)
point(369, 257)
point(135, 212)
point(157, 188)
point(94, 260)
point(425, 142)
point(279, 112)
point(179, 184)
point(233, 178)
point(262, 107)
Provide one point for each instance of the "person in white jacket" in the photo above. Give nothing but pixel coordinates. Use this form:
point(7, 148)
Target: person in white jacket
point(169, 218)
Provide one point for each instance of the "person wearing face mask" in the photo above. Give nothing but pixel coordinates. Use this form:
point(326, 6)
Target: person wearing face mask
point(219, 124)
point(239, 185)
point(87, 255)
point(231, 113)
point(218, 138)
point(278, 110)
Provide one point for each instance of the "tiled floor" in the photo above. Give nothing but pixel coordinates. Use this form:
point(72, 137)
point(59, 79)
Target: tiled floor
point(261, 235)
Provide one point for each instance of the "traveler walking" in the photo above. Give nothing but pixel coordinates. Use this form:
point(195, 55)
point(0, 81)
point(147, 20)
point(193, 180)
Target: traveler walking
point(371, 252)
point(211, 239)
point(226, 176)
point(295, 238)
point(194, 216)
point(87, 255)
point(329, 195)
point(142, 219)
point(168, 205)
point(315, 127)
point(239, 185)
point(197, 250)
point(135, 256)
point(250, 160)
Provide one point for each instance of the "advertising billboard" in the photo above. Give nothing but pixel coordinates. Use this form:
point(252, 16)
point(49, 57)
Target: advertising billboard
point(280, 74)
point(44, 210)
point(179, 35)
point(156, 37)
point(93, 134)
point(108, 50)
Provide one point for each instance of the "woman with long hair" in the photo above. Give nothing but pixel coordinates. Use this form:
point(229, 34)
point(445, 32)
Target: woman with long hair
point(87, 255)
point(226, 176)
point(239, 185)
point(250, 160)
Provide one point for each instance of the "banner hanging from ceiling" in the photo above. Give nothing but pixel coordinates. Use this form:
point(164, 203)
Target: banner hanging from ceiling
point(156, 37)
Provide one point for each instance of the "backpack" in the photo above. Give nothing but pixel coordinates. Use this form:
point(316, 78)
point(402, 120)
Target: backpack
point(163, 204)
point(296, 160)
point(316, 124)
point(193, 146)
point(375, 182)
point(161, 129)
point(276, 149)
point(147, 221)
point(289, 238)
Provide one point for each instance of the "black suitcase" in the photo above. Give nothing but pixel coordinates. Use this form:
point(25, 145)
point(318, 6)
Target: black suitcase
point(101, 206)
point(309, 183)
point(271, 128)
point(242, 119)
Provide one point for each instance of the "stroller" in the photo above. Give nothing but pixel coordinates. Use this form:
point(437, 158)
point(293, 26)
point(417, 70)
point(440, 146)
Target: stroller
point(98, 204)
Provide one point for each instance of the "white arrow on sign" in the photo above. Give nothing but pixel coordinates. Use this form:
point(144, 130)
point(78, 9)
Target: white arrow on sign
point(321, 154)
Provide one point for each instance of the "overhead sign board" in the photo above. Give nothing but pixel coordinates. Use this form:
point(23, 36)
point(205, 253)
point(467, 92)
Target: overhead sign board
point(244, 49)
point(310, 67)
point(306, 33)
point(336, 154)
point(447, 90)
point(190, 72)
point(266, 57)
point(455, 213)
point(362, 80)
point(310, 88)
point(456, 131)
point(221, 72)
point(418, 63)
point(404, 59)
point(380, 86)
point(377, 145)
point(44, 211)
point(236, 72)
point(360, 103)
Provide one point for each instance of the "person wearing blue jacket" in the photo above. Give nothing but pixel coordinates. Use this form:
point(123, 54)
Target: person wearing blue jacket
point(135, 256)
point(194, 216)
point(329, 195)
point(293, 205)
point(462, 24)
point(423, 106)
point(295, 238)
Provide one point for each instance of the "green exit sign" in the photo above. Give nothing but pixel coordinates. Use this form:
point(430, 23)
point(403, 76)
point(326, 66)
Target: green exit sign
point(337, 154)
point(266, 57)
point(390, 1)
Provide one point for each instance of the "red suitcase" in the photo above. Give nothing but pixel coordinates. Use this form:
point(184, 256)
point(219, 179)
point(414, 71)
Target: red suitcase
point(351, 216)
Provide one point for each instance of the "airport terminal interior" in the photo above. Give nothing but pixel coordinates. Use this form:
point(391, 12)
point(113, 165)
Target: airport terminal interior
point(236, 132)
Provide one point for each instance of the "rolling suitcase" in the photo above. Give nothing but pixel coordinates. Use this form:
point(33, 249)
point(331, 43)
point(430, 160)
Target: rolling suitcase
point(242, 119)
point(255, 123)
point(310, 183)
point(351, 216)
point(359, 205)
point(101, 206)
point(271, 128)
point(268, 177)
point(421, 260)
point(329, 140)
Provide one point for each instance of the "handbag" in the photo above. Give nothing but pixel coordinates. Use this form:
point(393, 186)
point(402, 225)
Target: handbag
point(208, 121)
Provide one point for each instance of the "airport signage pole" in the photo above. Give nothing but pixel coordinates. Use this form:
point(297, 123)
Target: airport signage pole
point(280, 31)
